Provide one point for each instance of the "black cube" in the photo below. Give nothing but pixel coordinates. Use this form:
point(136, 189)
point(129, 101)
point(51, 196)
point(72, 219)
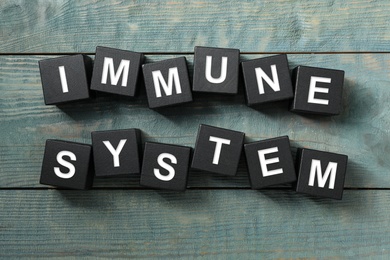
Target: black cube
point(116, 71)
point(217, 150)
point(165, 166)
point(117, 152)
point(167, 82)
point(321, 173)
point(317, 90)
point(67, 165)
point(65, 79)
point(216, 70)
point(267, 79)
point(270, 162)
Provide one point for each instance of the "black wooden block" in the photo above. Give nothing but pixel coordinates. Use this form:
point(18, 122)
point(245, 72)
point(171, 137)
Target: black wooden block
point(116, 71)
point(267, 79)
point(217, 150)
point(317, 90)
point(321, 173)
point(117, 152)
point(167, 82)
point(270, 162)
point(66, 78)
point(67, 164)
point(216, 70)
point(165, 166)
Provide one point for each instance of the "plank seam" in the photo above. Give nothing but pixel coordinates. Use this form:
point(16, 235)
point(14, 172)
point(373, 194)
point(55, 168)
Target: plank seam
point(192, 53)
point(188, 188)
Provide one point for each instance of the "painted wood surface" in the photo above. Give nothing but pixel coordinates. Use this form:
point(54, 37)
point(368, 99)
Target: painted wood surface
point(218, 217)
point(211, 224)
point(177, 26)
point(361, 131)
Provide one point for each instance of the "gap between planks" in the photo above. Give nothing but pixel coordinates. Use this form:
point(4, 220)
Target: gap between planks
point(190, 188)
point(192, 53)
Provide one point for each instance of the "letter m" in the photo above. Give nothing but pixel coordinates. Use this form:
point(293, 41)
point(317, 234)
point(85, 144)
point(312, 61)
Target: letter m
point(108, 65)
point(315, 170)
point(173, 76)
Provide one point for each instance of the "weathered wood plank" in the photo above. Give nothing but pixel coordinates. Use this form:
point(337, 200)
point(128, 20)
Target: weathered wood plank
point(204, 223)
point(361, 131)
point(178, 26)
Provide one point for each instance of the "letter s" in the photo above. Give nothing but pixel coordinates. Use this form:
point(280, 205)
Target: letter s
point(60, 160)
point(169, 168)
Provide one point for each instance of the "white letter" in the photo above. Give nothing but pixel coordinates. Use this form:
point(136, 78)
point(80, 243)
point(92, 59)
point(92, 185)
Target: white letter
point(170, 169)
point(115, 152)
point(260, 75)
point(172, 76)
point(330, 170)
point(222, 77)
point(313, 89)
point(218, 147)
point(64, 82)
point(124, 67)
point(264, 162)
point(66, 164)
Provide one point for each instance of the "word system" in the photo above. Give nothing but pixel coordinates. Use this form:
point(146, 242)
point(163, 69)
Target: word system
point(166, 166)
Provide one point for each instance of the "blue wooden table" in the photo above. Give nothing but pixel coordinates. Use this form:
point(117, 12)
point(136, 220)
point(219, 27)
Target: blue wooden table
point(217, 217)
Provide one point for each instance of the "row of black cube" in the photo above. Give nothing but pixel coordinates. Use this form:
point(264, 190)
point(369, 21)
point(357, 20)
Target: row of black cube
point(166, 166)
point(216, 70)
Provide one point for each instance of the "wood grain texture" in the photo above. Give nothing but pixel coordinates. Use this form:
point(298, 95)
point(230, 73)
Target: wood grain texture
point(32, 26)
point(218, 217)
point(196, 224)
point(361, 131)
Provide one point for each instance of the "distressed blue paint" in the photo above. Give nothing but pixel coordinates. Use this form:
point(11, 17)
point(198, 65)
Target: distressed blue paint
point(204, 223)
point(360, 131)
point(178, 26)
